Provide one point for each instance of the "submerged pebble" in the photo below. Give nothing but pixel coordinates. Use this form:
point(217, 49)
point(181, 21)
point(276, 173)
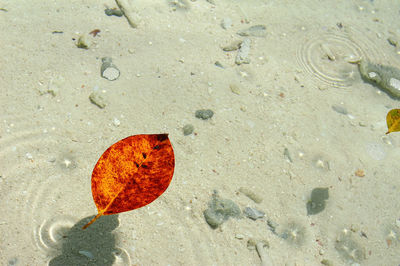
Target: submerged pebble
point(256, 31)
point(253, 214)
point(387, 78)
point(204, 114)
point(96, 98)
point(219, 210)
point(113, 12)
point(187, 129)
point(243, 53)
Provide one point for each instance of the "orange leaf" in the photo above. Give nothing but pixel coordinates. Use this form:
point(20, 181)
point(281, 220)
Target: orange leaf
point(132, 173)
point(393, 120)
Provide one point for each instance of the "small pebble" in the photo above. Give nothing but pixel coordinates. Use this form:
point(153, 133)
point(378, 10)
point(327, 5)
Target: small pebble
point(96, 98)
point(256, 31)
point(233, 46)
point(204, 114)
point(242, 56)
point(84, 42)
point(239, 236)
point(219, 210)
point(188, 129)
point(235, 89)
point(113, 12)
point(253, 214)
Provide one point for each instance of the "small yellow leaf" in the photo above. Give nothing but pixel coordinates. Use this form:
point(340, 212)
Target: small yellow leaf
point(393, 120)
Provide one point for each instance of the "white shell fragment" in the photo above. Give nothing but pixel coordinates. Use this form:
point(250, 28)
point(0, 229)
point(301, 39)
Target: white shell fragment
point(108, 69)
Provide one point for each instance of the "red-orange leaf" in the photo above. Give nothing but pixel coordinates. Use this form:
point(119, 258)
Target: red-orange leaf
point(132, 173)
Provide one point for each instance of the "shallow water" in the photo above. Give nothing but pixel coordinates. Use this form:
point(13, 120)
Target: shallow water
point(294, 117)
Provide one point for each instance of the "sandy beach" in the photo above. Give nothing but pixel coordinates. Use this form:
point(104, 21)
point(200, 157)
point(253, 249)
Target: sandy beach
point(290, 114)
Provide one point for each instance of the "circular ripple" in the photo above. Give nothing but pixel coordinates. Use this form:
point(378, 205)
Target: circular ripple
point(48, 235)
point(326, 56)
point(38, 177)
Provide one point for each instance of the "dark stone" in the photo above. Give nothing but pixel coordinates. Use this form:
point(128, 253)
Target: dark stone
point(204, 114)
point(219, 210)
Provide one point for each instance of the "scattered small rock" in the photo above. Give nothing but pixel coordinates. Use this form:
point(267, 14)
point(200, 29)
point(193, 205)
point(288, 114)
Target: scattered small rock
point(239, 236)
point(113, 12)
point(256, 31)
point(218, 64)
point(188, 129)
point(219, 210)
point(393, 41)
point(96, 98)
point(84, 42)
point(235, 89)
point(233, 46)
point(253, 214)
point(204, 114)
point(243, 53)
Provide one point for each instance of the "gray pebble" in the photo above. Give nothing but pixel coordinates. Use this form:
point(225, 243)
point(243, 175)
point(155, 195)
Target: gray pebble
point(113, 12)
point(253, 214)
point(233, 46)
point(96, 98)
point(243, 53)
point(188, 129)
point(256, 31)
point(204, 114)
point(219, 210)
